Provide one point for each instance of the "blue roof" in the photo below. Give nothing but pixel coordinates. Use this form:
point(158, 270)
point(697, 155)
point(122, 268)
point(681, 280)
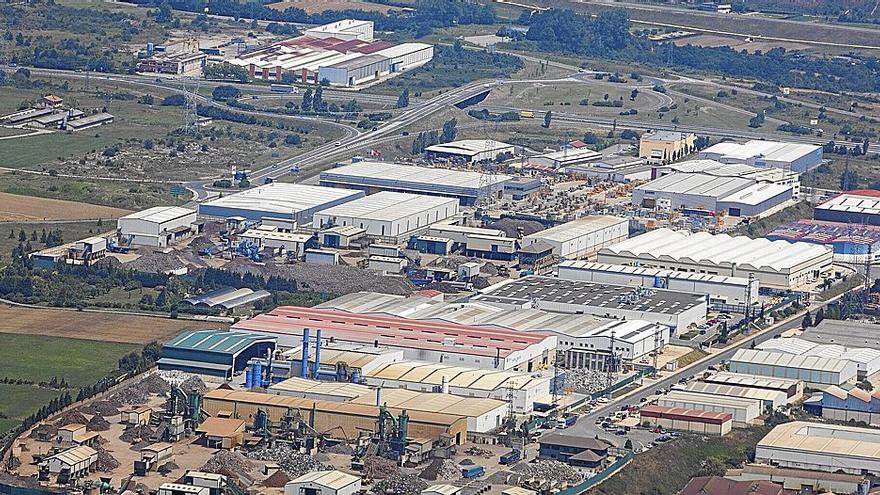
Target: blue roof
point(220, 341)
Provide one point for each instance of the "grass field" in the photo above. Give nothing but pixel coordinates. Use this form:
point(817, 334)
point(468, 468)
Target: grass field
point(24, 208)
point(20, 401)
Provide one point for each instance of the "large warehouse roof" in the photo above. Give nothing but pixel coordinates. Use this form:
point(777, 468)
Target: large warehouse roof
point(577, 228)
point(342, 390)
point(822, 232)
point(413, 177)
point(847, 333)
point(865, 202)
point(469, 147)
point(697, 184)
point(412, 400)
point(752, 381)
point(824, 439)
point(769, 150)
point(386, 206)
point(719, 249)
point(456, 376)
point(283, 199)
point(220, 341)
point(159, 214)
point(652, 272)
point(789, 360)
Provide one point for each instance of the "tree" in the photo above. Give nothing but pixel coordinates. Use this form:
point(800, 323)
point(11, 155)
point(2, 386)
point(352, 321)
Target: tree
point(849, 180)
point(292, 139)
point(226, 71)
point(225, 93)
point(820, 315)
point(22, 236)
point(318, 103)
point(403, 99)
point(307, 100)
point(628, 445)
point(807, 322)
point(449, 131)
point(163, 13)
point(865, 385)
point(712, 467)
point(548, 116)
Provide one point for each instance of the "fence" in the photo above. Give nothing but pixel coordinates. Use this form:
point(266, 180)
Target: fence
point(600, 477)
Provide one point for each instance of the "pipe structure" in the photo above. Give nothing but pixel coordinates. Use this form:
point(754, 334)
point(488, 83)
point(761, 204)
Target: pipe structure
point(304, 365)
point(317, 353)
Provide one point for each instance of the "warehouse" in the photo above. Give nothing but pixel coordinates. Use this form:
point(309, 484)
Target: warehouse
point(619, 169)
point(851, 244)
point(567, 157)
point(797, 157)
point(227, 299)
point(583, 237)
point(355, 71)
point(341, 237)
point(719, 288)
point(704, 193)
point(666, 146)
point(75, 462)
point(158, 226)
point(89, 122)
point(777, 265)
point(344, 362)
point(346, 29)
point(740, 170)
point(814, 371)
point(745, 412)
point(387, 264)
point(471, 150)
point(215, 353)
point(296, 202)
point(324, 483)
point(459, 234)
point(491, 247)
point(389, 215)
point(867, 360)
point(852, 207)
point(793, 389)
point(690, 420)
point(305, 388)
point(371, 177)
point(575, 450)
point(589, 347)
point(676, 310)
point(821, 447)
point(269, 238)
point(406, 56)
point(837, 404)
point(327, 416)
point(520, 389)
point(770, 399)
point(521, 188)
point(465, 345)
point(848, 333)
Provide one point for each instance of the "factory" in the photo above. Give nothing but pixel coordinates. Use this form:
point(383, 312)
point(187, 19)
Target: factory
point(177, 64)
point(796, 157)
point(690, 420)
point(703, 194)
point(297, 202)
point(821, 447)
point(346, 30)
point(567, 157)
point(573, 450)
point(792, 388)
point(619, 169)
point(777, 265)
point(466, 345)
point(633, 341)
point(770, 399)
point(471, 150)
point(848, 333)
point(813, 370)
point(666, 146)
point(738, 170)
point(389, 215)
point(328, 416)
point(355, 71)
point(468, 187)
point(853, 207)
point(851, 243)
point(267, 238)
point(719, 288)
point(676, 310)
point(866, 359)
point(745, 411)
point(159, 226)
point(583, 237)
point(837, 404)
point(215, 353)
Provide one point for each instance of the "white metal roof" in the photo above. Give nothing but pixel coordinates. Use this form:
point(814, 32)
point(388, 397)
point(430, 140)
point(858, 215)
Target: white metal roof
point(422, 175)
point(717, 249)
point(576, 228)
point(470, 147)
point(756, 194)
point(752, 380)
point(757, 356)
point(769, 150)
point(283, 198)
point(853, 203)
point(697, 184)
point(827, 439)
point(403, 49)
point(388, 206)
point(651, 272)
point(75, 455)
point(331, 479)
point(159, 214)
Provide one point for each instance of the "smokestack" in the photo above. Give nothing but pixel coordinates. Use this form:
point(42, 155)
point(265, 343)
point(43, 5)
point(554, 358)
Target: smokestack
point(317, 353)
point(378, 396)
point(444, 385)
point(304, 365)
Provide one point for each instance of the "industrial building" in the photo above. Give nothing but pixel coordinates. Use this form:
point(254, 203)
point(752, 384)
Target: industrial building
point(720, 289)
point(770, 399)
point(703, 194)
point(296, 202)
point(633, 341)
point(583, 237)
point(95, 120)
point(813, 370)
point(520, 188)
point(333, 418)
point(574, 450)
point(70, 464)
point(159, 226)
point(797, 480)
point(346, 29)
point(469, 187)
point(737, 170)
point(852, 207)
point(777, 265)
point(389, 215)
point(821, 447)
point(852, 244)
point(178, 64)
point(340, 237)
point(471, 150)
point(227, 299)
point(792, 388)
point(745, 411)
point(866, 359)
point(848, 333)
point(355, 71)
point(567, 157)
point(620, 169)
point(324, 483)
point(460, 234)
point(797, 157)
point(465, 345)
point(666, 146)
point(837, 404)
point(214, 353)
point(359, 360)
point(676, 310)
point(690, 420)
point(406, 56)
point(267, 238)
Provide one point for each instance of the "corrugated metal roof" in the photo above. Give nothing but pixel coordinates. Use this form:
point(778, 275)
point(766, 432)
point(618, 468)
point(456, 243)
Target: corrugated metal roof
point(412, 175)
point(335, 480)
point(160, 214)
point(824, 439)
point(228, 342)
point(576, 228)
point(432, 402)
point(284, 198)
point(757, 356)
point(388, 206)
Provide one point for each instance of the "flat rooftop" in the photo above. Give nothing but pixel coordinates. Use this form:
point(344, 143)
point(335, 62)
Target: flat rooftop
point(866, 202)
point(769, 150)
point(409, 176)
point(469, 147)
point(159, 214)
point(822, 232)
point(283, 198)
point(578, 228)
point(848, 333)
point(589, 294)
point(457, 376)
point(389, 206)
point(651, 272)
point(828, 439)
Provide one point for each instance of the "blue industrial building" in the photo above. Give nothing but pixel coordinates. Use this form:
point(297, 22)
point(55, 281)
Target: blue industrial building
point(218, 353)
point(847, 240)
point(837, 404)
point(520, 188)
point(431, 244)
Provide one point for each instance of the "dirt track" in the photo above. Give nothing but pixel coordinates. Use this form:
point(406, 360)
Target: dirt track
point(93, 326)
point(22, 208)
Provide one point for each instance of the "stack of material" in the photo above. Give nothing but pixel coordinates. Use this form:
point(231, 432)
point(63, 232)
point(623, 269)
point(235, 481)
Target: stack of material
point(98, 423)
point(106, 462)
point(290, 461)
point(586, 381)
point(166, 468)
point(441, 469)
point(140, 392)
point(376, 467)
point(45, 432)
point(400, 484)
point(230, 464)
point(134, 433)
point(554, 472)
point(70, 418)
point(277, 480)
point(102, 407)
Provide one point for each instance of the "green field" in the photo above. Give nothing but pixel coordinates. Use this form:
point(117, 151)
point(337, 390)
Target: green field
point(20, 401)
point(128, 195)
point(39, 358)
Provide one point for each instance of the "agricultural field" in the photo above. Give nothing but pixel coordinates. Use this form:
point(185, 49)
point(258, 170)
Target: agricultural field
point(24, 208)
point(99, 326)
point(17, 402)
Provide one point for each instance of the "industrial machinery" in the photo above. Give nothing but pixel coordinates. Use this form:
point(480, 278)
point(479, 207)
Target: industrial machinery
point(183, 416)
point(388, 440)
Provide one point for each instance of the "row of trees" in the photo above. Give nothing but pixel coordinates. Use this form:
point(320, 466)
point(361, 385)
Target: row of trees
point(432, 137)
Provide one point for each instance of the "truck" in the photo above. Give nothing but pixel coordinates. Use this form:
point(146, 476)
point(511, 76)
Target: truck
point(283, 88)
point(510, 457)
point(567, 421)
point(525, 114)
point(472, 472)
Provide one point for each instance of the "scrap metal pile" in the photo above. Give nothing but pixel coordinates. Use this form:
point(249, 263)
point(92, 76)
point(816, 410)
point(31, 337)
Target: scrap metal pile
point(293, 463)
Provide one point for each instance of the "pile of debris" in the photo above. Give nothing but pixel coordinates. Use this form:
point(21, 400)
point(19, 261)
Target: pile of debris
point(98, 423)
point(337, 279)
point(156, 262)
point(476, 450)
point(102, 407)
point(339, 448)
point(167, 468)
point(71, 418)
point(553, 471)
point(229, 463)
point(400, 484)
point(106, 462)
point(293, 463)
point(134, 434)
point(140, 392)
point(516, 228)
point(277, 480)
point(586, 381)
point(441, 470)
point(44, 432)
point(187, 382)
point(376, 467)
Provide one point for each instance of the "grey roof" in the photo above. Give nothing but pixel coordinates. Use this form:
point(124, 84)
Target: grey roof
point(359, 62)
point(227, 297)
point(91, 119)
point(664, 135)
point(579, 442)
point(697, 184)
point(847, 333)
